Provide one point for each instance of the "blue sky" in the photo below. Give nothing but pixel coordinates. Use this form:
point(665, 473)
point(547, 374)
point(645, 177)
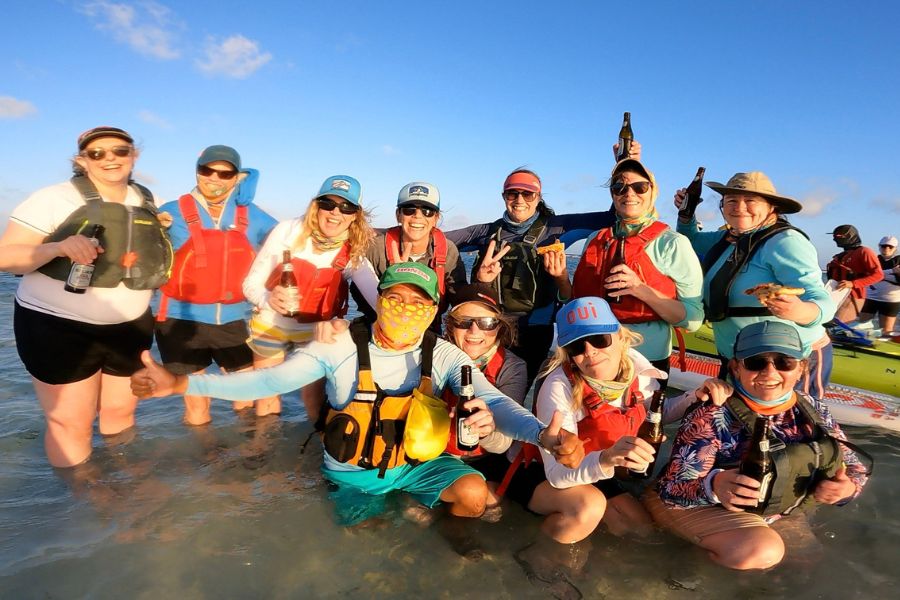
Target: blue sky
point(461, 93)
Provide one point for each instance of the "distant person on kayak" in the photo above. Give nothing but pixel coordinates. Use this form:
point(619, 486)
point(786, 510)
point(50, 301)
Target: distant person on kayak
point(702, 497)
point(855, 268)
point(327, 249)
point(416, 238)
point(883, 297)
point(509, 257)
point(216, 231)
point(759, 246)
point(660, 284)
point(81, 348)
point(385, 427)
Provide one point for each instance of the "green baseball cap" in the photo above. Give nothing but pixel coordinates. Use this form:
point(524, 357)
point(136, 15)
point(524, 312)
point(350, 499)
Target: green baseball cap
point(412, 273)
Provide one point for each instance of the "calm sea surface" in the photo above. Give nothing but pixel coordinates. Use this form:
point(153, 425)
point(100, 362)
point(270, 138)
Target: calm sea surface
point(234, 511)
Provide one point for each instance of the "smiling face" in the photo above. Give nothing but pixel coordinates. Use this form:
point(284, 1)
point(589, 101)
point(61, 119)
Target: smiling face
point(416, 228)
point(744, 212)
point(630, 204)
point(213, 186)
point(473, 341)
point(333, 223)
point(601, 363)
point(770, 383)
point(111, 170)
point(521, 204)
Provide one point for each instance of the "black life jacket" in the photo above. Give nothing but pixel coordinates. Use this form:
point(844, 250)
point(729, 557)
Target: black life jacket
point(523, 283)
point(136, 248)
point(716, 302)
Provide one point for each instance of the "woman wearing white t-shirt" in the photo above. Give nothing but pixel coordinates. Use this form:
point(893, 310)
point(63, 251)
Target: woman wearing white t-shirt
point(327, 246)
point(81, 348)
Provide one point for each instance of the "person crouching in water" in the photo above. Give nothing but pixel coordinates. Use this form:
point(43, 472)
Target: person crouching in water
point(702, 496)
point(400, 366)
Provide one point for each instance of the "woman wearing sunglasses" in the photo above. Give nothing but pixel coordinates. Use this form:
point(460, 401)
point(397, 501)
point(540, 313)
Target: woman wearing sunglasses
point(658, 286)
point(701, 495)
point(80, 333)
point(417, 238)
point(327, 248)
point(216, 230)
point(884, 296)
point(759, 246)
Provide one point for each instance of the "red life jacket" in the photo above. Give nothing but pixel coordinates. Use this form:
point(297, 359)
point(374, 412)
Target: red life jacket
point(323, 291)
point(211, 266)
point(438, 261)
point(491, 370)
point(593, 269)
point(601, 427)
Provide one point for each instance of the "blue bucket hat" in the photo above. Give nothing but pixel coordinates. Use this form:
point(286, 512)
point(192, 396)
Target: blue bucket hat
point(768, 336)
point(420, 193)
point(220, 152)
point(583, 317)
point(342, 186)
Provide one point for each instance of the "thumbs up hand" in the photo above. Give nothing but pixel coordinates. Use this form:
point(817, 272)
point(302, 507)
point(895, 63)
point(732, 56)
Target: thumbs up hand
point(565, 446)
point(155, 381)
point(831, 491)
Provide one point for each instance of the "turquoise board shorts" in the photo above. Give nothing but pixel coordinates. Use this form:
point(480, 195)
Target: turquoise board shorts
point(361, 495)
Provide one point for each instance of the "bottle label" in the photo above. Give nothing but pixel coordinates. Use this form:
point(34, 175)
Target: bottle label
point(293, 299)
point(654, 417)
point(465, 436)
point(80, 276)
point(467, 391)
point(764, 445)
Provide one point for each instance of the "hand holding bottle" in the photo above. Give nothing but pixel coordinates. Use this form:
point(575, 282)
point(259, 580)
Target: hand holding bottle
point(736, 492)
point(634, 152)
point(630, 452)
point(79, 249)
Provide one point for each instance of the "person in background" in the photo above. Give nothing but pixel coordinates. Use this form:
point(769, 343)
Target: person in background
point(81, 348)
point(884, 296)
point(701, 495)
point(854, 268)
point(416, 238)
point(759, 246)
point(660, 284)
point(327, 248)
point(216, 231)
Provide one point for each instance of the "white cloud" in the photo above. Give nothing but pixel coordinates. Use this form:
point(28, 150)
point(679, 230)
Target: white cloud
point(151, 118)
point(816, 201)
point(13, 108)
point(235, 56)
point(145, 26)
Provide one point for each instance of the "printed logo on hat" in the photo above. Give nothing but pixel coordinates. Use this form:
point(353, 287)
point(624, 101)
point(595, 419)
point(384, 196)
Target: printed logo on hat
point(486, 298)
point(418, 192)
point(582, 313)
point(340, 184)
point(414, 271)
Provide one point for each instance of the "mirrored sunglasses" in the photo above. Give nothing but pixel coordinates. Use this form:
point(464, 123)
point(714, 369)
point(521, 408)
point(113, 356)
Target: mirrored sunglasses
point(100, 153)
point(328, 205)
point(482, 323)
point(599, 340)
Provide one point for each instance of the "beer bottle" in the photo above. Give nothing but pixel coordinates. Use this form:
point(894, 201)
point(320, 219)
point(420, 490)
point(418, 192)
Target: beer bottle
point(466, 439)
point(80, 275)
point(618, 259)
point(757, 464)
point(651, 431)
point(289, 283)
point(692, 197)
point(626, 136)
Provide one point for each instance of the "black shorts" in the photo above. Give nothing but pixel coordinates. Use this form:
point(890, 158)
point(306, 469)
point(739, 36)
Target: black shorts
point(524, 482)
point(56, 350)
point(189, 346)
point(885, 309)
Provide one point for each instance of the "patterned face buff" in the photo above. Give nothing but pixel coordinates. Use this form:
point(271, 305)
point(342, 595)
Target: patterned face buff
point(399, 325)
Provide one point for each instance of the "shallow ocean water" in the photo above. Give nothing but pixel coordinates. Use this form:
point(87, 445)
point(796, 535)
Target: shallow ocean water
point(235, 511)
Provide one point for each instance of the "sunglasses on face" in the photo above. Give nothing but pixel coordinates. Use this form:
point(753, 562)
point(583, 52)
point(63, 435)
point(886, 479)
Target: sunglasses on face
point(100, 153)
point(328, 205)
point(761, 361)
point(511, 195)
point(885, 246)
point(482, 323)
point(410, 209)
point(224, 174)
point(620, 188)
point(600, 340)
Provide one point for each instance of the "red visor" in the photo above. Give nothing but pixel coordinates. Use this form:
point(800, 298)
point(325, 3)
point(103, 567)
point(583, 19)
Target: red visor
point(522, 181)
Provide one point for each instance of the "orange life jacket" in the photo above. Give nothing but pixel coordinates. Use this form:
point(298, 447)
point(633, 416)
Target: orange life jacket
point(438, 262)
point(323, 291)
point(211, 266)
point(593, 269)
point(491, 370)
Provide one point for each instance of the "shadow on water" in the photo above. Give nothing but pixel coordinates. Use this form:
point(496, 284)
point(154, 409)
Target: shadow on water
point(233, 510)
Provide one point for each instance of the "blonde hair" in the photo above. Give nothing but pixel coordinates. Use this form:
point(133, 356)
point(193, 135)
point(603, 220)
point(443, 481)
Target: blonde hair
point(361, 232)
point(627, 338)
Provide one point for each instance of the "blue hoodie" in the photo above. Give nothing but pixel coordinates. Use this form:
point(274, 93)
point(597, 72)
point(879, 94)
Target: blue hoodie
point(261, 223)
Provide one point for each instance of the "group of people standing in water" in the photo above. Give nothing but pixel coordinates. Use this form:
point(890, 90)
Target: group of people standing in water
point(383, 389)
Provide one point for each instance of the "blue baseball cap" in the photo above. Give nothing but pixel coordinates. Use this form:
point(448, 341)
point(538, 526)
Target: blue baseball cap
point(583, 317)
point(768, 336)
point(420, 193)
point(220, 152)
point(342, 186)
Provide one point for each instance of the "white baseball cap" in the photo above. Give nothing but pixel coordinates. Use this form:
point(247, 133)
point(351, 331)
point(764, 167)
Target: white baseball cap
point(888, 240)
